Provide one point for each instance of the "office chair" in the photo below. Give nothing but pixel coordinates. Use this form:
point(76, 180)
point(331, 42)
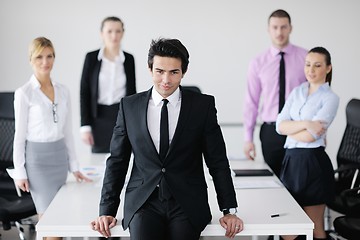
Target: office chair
point(348, 226)
point(13, 208)
point(7, 129)
point(348, 158)
point(192, 88)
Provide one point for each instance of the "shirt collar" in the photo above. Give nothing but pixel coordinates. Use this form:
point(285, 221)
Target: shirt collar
point(120, 58)
point(35, 82)
point(324, 87)
point(288, 49)
point(173, 98)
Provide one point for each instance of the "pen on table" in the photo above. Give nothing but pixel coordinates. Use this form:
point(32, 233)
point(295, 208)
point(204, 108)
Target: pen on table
point(275, 215)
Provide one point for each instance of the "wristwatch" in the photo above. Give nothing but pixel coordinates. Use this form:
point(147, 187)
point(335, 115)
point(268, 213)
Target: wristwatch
point(232, 211)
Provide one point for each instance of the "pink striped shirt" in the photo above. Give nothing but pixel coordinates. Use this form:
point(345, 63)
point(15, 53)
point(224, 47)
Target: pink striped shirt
point(262, 93)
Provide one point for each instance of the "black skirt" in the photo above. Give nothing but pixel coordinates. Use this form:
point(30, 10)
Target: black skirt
point(103, 126)
point(308, 175)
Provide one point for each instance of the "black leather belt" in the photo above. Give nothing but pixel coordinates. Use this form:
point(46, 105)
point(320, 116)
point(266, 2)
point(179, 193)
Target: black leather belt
point(270, 123)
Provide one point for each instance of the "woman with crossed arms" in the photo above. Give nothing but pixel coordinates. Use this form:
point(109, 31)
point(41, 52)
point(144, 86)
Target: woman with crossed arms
point(307, 171)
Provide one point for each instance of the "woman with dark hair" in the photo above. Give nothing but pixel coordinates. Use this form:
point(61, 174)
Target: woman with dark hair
point(307, 171)
point(108, 75)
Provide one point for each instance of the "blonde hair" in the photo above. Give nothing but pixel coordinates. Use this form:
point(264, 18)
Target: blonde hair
point(38, 45)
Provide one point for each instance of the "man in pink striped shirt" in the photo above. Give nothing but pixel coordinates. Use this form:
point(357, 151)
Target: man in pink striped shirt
point(262, 95)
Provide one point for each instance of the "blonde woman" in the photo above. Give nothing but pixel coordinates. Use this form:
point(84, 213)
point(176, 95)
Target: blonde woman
point(43, 142)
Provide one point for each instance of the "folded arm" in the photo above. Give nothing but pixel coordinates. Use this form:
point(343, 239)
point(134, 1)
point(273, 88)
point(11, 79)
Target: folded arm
point(303, 131)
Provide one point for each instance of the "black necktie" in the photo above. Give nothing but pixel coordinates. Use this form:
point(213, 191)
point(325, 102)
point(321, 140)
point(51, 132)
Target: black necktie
point(164, 130)
point(281, 82)
point(164, 192)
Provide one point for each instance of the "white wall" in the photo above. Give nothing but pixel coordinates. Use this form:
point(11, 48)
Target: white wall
point(221, 36)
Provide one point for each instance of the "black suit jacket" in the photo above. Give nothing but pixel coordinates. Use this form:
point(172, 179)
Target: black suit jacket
point(90, 83)
point(197, 134)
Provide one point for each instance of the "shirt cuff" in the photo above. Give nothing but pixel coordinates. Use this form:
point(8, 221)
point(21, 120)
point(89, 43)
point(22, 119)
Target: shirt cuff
point(84, 129)
point(17, 174)
point(73, 166)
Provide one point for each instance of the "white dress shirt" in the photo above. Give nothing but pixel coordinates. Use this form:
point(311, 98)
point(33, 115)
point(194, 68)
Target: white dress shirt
point(35, 122)
point(112, 79)
point(154, 113)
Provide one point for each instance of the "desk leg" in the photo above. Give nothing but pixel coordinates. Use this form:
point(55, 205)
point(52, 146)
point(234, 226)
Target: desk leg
point(309, 235)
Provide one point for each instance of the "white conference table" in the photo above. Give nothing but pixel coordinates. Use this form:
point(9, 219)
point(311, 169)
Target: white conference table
point(76, 205)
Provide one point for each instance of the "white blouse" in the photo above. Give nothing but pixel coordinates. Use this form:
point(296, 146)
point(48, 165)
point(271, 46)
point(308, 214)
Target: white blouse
point(37, 119)
point(112, 79)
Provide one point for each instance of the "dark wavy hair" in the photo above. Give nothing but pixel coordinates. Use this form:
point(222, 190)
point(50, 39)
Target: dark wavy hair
point(164, 47)
point(323, 51)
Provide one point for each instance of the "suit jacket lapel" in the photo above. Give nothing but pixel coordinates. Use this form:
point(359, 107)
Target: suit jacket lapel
point(95, 84)
point(183, 117)
point(95, 76)
point(143, 108)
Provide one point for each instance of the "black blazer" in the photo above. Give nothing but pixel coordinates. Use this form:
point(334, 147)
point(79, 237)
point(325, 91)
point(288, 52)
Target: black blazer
point(197, 134)
point(90, 83)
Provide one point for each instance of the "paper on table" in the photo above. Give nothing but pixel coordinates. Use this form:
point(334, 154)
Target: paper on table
point(93, 171)
point(96, 173)
point(242, 184)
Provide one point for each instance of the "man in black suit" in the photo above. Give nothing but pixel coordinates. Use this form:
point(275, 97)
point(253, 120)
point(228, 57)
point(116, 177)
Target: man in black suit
point(166, 197)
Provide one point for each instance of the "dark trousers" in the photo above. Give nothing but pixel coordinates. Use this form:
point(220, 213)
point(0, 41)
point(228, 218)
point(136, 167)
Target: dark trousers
point(272, 145)
point(161, 220)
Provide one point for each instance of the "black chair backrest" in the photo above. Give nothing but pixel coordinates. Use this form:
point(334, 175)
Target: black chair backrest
point(7, 105)
point(349, 151)
point(12, 208)
point(191, 88)
point(7, 128)
point(353, 113)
